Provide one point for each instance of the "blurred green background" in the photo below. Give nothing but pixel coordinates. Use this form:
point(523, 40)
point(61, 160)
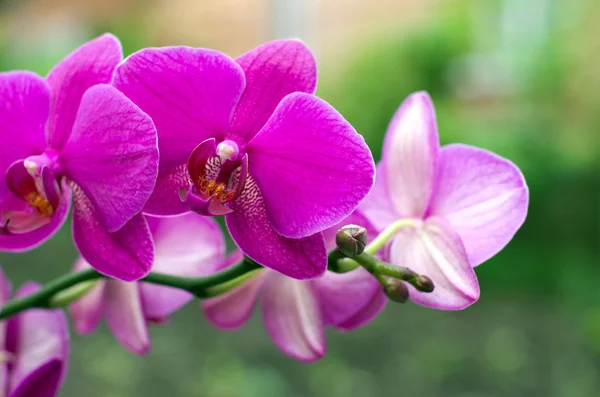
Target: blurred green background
point(521, 78)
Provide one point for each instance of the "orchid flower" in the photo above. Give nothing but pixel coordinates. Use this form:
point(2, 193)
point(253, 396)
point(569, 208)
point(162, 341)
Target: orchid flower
point(71, 137)
point(450, 208)
point(246, 138)
point(34, 348)
point(296, 312)
point(185, 246)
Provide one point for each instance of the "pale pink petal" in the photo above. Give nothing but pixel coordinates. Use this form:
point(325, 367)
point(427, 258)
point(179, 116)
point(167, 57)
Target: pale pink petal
point(92, 63)
point(41, 349)
point(232, 309)
point(127, 254)
point(273, 70)
point(311, 165)
point(186, 245)
point(290, 310)
point(483, 196)
point(410, 154)
point(435, 250)
point(190, 93)
point(250, 228)
point(24, 109)
point(366, 314)
point(112, 154)
point(164, 200)
point(377, 206)
point(125, 316)
point(86, 312)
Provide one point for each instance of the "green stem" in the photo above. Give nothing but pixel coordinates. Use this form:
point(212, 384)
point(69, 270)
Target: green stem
point(377, 267)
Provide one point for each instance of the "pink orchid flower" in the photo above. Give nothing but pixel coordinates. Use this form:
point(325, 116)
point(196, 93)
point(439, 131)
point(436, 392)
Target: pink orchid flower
point(34, 348)
point(463, 204)
point(185, 246)
point(296, 312)
point(246, 138)
point(70, 136)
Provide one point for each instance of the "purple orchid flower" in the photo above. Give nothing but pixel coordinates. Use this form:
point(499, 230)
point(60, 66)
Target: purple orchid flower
point(185, 245)
point(464, 204)
point(296, 312)
point(248, 140)
point(35, 348)
point(70, 136)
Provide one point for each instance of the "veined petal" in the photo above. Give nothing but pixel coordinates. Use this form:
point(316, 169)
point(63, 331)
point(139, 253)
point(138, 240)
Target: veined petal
point(86, 312)
point(26, 241)
point(164, 200)
point(290, 310)
point(24, 109)
point(483, 196)
point(410, 155)
point(250, 228)
point(92, 63)
point(232, 309)
point(41, 350)
point(273, 70)
point(186, 245)
point(112, 154)
point(377, 206)
point(190, 93)
point(366, 314)
point(435, 250)
point(126, 254)
point(342, 296)
point(311, 165)
point(125, 317)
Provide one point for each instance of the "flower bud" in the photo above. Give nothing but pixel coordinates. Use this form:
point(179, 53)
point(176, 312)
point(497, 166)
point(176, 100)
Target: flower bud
point(396, 290)
point(351, 240)
point(425, 284)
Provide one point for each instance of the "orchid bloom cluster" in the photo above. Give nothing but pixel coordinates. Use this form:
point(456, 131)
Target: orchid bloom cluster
point(148, 149)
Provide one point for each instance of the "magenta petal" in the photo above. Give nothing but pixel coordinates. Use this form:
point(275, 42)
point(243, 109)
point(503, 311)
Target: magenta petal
point(189, 93)
point(92, 63)
point(24, 109)
point(342, 296)
point(377, 206)
point(126, 254)
point(233, 309)
point(366, 314)
point(410, 154)
point(112, 154)
point(86, 312)
point(41, 350)
point(311, 165)
point(164, 200)
point(483, 196)
point(290, 310)
point(273, 70)
point(249, 227)
point(186, 245)
point(26, 241)
point(436, 251)
point(125, 317)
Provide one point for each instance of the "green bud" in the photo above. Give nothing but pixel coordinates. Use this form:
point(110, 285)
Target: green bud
point(351, 240)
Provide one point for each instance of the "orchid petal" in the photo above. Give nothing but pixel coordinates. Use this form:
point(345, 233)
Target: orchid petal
point(273, 70)
point(24, 109)
point(377, 206)
point(312, 167)
point(190, 93)
point(125, 316)
point(483, 196)
point(165, 200)
point(92, 63)
point(410, 154)
point(186, 245)
point(86, 312)
point(366, 314)
point(435, 250)
point(41, 350)
point(291, 314)
point(249, 227)
point(126, 254)
point(112, 154)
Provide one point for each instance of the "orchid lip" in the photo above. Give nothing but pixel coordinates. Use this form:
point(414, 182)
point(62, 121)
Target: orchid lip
point(207, 206)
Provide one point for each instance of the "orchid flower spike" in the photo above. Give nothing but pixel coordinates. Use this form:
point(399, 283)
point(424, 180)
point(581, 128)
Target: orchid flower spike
point(186, 245)
point(296, 312)
point(34, 348)
point(72, 136)
point(247, 139)
point(450, 208)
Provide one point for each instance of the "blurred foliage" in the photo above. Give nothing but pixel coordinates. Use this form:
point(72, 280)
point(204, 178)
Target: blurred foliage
point(535, 330)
